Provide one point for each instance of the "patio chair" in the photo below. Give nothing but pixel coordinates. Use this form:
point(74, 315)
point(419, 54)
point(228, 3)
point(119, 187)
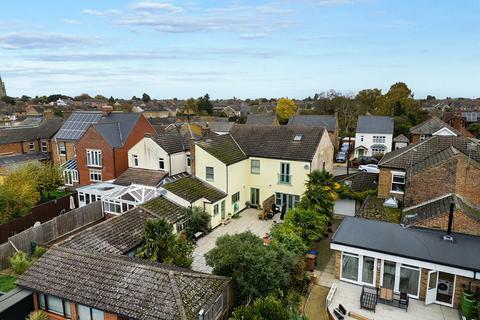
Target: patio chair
point(340, 312)
point(386, 295)
point(403, 301)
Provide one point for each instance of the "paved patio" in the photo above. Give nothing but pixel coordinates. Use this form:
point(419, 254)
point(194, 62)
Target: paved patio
point(349, 296)
point(248, 221)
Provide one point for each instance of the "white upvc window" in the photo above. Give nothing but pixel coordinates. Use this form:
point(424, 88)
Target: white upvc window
point(209, 173)
point(255, 166)
point(398, 182)
point(94, 158)
point(400, 277)
point(215, 209)
point(62, 150)
point(379, 139)
point(135, 160)
point(358, 269)
point(284, 176)
point(161, 163)
point(44, 146)
point(377, 151)
point(95, 175)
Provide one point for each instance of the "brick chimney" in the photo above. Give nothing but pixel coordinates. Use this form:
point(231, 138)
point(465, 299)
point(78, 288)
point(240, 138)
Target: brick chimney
point(457, 122)
point(192, 156)
point(48, 113)
point(107, 110)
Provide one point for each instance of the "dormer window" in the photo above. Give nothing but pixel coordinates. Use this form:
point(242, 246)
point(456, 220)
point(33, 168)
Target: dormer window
point(298, 137)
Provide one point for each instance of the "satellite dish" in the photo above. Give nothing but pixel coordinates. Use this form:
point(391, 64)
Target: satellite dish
point(36, 224)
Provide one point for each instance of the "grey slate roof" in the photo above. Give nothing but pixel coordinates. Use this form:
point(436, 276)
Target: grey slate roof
point(141, 176)
point(375, 124)
point(224, 148)
point(116, 127)
point(327, 121)
point(430, 126)
point(414, 243)
point(277, 142)
point(401, 138)
point(24, 157)
point(46, 130)
point(76, 125)
point(192, 189)
point(171, 141)
point(129, 287)
point(117, 235)
point(415, 153)
point(220, 126)
point(260, 119)
point(439, 206)
point(359, 181)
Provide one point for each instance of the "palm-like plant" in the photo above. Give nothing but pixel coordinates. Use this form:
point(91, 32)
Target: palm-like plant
point(321, 193)
point(198, 221)
point(158, 236)
point(37, 315)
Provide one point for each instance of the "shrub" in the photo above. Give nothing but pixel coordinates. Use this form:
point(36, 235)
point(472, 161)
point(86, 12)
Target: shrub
point(39, 251)
point(20, 262)
point(37, 315)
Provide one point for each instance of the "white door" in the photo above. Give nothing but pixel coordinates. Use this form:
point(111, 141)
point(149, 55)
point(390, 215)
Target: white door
point(432, 282)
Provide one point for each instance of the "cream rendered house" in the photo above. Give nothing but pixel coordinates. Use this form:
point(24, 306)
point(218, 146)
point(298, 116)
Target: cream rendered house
point(253, 163)
point(164, 151)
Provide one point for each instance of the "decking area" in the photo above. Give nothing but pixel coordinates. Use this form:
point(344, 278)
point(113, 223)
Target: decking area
point(349, 296)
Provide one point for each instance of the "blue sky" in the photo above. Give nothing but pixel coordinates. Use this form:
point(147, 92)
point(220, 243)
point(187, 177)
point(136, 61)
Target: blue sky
point(239, 48)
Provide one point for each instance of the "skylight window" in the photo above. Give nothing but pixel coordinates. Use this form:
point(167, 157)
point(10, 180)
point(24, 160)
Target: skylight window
point(298, 137)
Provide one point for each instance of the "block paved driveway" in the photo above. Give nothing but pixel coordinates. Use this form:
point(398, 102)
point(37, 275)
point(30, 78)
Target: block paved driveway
point(248, 221)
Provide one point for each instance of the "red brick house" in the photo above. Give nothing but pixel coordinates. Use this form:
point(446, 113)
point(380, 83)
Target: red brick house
point(102, 151)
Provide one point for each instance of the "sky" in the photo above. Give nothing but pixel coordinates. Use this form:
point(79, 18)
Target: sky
point(240, 48)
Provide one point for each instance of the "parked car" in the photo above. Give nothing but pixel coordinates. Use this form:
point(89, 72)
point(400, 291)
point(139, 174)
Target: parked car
point(363, 161)
point(341, 157)
point(372, 168)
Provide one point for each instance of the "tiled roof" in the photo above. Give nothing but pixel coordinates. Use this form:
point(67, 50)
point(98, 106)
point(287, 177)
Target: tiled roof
point(260, 119)
point(171, 141)
point(129, 287)
point(165, 209)
point(436, 159)
point(224, 148)
point(23, 157)
point(278, 142)
point(415, 153)
point(144, 177)
point(401, 138)
point(375, 124)
point(46, 130)
point(327, 121)
point(117, 126)
point(438, 206)
point(192, 189)
point(220, 126)
point(117, 235)
point(430, 126)
point(359, 181)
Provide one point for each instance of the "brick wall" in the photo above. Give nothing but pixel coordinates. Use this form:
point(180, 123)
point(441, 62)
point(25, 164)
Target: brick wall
point(338, 261)
point(431, 183)
point(467, 180)
point(415, 138)
point(384, 183)
point(11, 148)
point(461, 223)
point(462, 283)
point(60, 159)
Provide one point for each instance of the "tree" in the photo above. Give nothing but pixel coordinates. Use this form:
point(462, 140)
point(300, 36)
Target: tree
point(369, 101)
point(190, 106)
point(267, 308)
point(82, 97)
point(161, 245)
point(198, 221)
point(54, 97)
point(321, 193)
point(111, 101)
point(285, 109)
point(285, 234)
point(307, 223)
point(204, 104)
point(48, 176)
point(398, 100)
point(146, 98)
point(101, 98)
point(8, 100)
point(429, 97)
point(25, 98)
point(245, 259)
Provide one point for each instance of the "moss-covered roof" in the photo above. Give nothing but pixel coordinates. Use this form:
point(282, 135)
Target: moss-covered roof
point(373, 209)
point(192, 189)
point(224, 148)
point(165, 209)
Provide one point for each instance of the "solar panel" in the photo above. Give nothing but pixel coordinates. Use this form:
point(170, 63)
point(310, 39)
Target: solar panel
point(77, 124)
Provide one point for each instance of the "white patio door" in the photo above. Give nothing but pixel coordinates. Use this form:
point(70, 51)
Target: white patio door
point(432, 282)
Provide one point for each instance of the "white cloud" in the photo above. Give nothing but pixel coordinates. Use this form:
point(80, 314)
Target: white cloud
point(71, 21)
point(156, 6)
point(41, 40)
point(98, 13)
point(251, 36)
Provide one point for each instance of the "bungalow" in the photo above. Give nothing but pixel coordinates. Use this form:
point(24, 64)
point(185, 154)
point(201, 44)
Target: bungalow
point(253, 163)
point(432, 127)
point(435, 266)
point(374, 135)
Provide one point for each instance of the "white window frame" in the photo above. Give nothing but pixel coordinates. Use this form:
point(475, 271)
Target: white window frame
point(379, 139)
point(397, 174)
point(216, 209)
point(94, 174)
point(43, 146)
point(135, 160)
point(398, 266)
point(189, 160)
point(285, 172)
point(161, 163)
point(31, 146)
point(94, 158)
point(62, 149)
point(359, 269)
point(209, 177)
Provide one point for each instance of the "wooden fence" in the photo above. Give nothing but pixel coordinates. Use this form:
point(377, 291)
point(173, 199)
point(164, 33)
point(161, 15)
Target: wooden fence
point(42, 213)
point(50, 230)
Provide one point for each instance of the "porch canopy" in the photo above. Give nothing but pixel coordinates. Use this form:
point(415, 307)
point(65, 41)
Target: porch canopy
point(418, 246)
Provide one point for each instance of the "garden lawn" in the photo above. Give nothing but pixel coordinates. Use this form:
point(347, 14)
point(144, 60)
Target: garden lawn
point(7, 282)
